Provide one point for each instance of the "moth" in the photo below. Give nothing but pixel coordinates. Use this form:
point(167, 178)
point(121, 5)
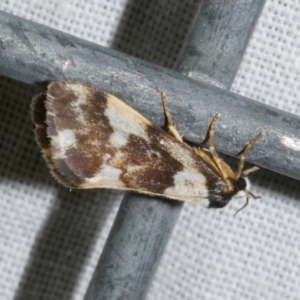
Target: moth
point(91, 139)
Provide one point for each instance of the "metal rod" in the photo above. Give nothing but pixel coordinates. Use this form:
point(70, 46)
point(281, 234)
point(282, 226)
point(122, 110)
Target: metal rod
point(33, 53)
point(217, 42)
point(134, 246)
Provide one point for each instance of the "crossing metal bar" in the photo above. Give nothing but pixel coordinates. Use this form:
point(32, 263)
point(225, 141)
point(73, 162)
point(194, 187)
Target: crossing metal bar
point(216, 44)
point(138, 257)
point(33, 53)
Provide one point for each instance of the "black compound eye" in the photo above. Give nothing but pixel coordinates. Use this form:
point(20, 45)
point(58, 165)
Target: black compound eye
point(241, 184)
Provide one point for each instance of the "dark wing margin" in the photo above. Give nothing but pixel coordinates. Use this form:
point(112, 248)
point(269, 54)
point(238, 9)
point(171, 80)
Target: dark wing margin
point(60, 172)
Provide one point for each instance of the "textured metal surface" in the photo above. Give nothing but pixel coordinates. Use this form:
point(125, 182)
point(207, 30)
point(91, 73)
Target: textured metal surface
point(218, 40)
point(133, 248)
point(33, 53)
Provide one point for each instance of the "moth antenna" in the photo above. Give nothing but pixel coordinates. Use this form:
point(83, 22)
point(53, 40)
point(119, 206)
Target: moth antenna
point(247, 201)
point(169, 124)
point(244, 154)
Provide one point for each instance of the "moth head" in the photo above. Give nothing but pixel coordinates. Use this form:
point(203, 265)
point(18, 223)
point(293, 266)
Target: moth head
point(243, 185)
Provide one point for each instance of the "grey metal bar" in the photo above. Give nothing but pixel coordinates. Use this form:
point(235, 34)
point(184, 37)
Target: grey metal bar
point(218, 40)
point(33, 53)
point(135, 244)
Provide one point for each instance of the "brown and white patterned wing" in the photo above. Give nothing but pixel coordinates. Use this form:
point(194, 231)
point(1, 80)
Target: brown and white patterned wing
point(91, 139)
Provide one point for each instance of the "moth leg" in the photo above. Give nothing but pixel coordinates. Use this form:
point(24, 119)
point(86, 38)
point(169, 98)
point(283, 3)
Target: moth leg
point(245, 173)
point(169, 125)
point(243, 157)
point(211, 137)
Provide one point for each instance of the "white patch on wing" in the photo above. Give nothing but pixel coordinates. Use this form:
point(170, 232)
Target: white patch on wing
point(188, 184)
point(125, 122)
point(131, 169)
point(106, 156)
point(58, 155)
point(118, 139)
point(67, 139)
point(81, 93)
point(107, 176)
point(179, 152)
point(62, 142)
point(56, 148)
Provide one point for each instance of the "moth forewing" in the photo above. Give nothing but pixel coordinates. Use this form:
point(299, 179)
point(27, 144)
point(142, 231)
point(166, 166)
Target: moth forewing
point(91, 139)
